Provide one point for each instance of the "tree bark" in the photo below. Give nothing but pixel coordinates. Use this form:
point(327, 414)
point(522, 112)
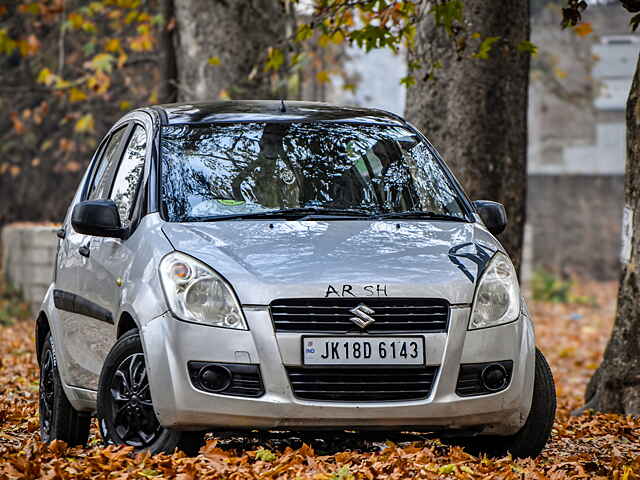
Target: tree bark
point(238, 33)
point(168, 71)
point(475, 110)
point(615, 386)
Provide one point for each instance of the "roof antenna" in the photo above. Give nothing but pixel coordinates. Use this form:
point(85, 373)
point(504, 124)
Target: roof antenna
point(283, 107)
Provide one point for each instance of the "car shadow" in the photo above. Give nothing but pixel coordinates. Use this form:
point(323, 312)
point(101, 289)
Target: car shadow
point(323, 443)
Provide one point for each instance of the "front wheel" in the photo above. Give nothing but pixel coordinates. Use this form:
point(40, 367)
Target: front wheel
point(125, 410)
point(530, 440)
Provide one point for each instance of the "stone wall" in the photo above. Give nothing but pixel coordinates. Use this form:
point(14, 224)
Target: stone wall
point(28, 256)
point(575, 223)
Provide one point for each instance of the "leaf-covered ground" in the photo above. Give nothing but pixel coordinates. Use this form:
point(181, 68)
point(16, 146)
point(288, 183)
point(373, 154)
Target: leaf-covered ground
point(572, 336)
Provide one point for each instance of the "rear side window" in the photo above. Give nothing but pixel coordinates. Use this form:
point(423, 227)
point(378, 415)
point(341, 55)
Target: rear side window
point(125, 185)
point(102, 179)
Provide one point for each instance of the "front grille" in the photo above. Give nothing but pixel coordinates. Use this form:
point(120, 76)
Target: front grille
point(358, 384)
point(332, 315)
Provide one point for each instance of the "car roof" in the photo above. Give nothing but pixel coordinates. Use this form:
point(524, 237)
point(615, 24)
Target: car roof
point(270, 111)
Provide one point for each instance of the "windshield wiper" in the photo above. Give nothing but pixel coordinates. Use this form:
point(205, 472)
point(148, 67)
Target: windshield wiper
point(286, 213)
point(418, 214)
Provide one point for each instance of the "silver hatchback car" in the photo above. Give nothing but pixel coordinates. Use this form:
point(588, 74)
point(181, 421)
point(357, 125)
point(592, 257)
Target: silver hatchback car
point(295, 266)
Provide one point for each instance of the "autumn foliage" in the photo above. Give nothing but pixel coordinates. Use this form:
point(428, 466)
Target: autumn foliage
point(70, 68)
point(572, 337)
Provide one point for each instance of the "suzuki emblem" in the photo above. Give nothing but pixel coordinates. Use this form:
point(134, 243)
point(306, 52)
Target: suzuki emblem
point(362, 316)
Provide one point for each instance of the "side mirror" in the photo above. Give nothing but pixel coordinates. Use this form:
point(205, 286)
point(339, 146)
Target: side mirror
point(492, 214)
point(97, 217)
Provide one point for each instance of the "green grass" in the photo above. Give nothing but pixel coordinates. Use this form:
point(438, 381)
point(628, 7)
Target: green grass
point(547, 287)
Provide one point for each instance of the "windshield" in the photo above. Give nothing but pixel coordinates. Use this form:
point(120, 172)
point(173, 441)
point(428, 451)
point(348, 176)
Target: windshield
point(250, 168)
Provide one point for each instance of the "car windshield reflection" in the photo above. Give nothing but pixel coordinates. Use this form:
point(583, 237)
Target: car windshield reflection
point(249, 170)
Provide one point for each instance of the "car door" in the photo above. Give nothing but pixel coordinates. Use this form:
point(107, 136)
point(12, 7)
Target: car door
point(110, 258)
point(70, 297)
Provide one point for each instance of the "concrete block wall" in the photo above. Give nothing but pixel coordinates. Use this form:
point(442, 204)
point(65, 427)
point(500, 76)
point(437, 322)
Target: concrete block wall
point(576, 224)
point(28, 257)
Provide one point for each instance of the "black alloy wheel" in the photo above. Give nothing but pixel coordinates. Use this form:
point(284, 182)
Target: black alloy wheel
point(47, 392)
point(125, 408)
point(58, 419)
point(134, 420)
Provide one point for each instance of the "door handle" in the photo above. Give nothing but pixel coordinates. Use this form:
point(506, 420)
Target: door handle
point(84, 250)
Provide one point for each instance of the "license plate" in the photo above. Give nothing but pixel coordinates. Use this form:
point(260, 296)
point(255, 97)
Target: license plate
point(363, 350)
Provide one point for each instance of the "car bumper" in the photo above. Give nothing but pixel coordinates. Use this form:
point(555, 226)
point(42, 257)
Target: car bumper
point(170, 344)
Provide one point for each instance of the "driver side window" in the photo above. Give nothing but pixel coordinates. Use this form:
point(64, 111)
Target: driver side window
point(127, 180)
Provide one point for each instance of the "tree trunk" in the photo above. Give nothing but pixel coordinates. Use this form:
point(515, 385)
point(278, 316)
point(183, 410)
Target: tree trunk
point(475, 110)
point(615, 387)
point(238, 33)
point(168, 72)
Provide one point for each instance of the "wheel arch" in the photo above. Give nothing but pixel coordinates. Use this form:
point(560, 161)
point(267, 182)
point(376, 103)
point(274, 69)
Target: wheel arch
point(126, 323)
point(42, 329)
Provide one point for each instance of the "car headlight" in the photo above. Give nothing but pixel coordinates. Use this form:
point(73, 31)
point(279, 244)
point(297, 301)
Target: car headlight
point(196, 293)
point(497, 298)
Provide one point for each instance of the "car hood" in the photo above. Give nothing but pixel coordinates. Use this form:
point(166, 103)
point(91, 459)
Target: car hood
point(267, 260)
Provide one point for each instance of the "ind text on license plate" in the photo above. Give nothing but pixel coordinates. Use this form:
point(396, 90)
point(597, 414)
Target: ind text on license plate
point(363, 350)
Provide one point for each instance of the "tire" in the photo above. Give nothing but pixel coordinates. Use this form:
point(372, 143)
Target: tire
point(126, 416)
point(531, 439)
point(58, 419)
